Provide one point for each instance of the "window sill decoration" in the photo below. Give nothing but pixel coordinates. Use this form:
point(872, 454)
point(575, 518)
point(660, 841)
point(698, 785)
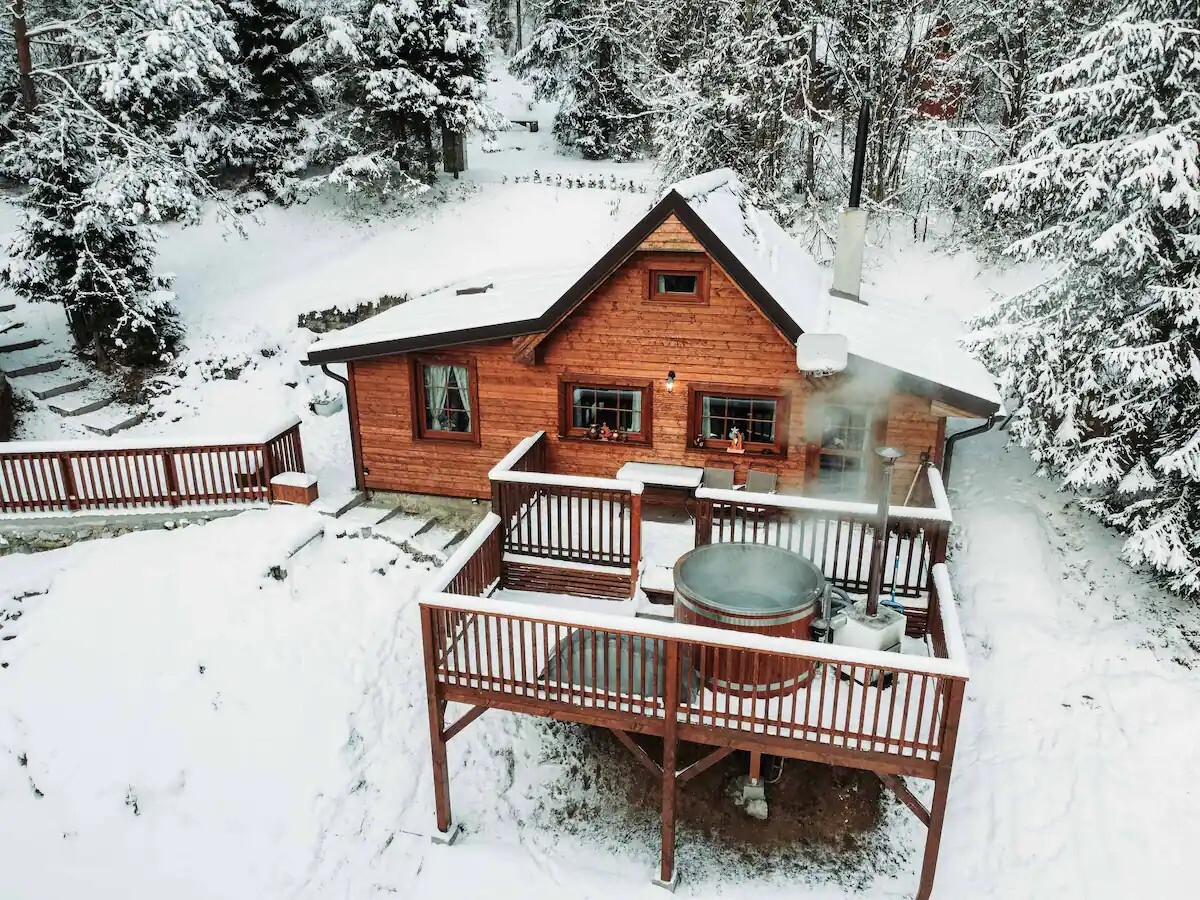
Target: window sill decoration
point(604, 433)
point(736, 443)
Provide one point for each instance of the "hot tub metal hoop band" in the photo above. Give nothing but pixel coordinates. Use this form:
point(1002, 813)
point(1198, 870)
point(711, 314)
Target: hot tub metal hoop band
point(748, 621)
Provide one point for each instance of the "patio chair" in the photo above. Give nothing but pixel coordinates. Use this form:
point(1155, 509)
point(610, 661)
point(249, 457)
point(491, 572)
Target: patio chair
point(760, 482)
point(717, 478)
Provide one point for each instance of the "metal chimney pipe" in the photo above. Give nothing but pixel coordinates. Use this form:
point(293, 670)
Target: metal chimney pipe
point(888, 456)
point(860, 154)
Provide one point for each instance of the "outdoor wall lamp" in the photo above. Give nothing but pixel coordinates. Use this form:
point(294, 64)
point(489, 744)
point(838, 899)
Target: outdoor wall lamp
point(671, 381)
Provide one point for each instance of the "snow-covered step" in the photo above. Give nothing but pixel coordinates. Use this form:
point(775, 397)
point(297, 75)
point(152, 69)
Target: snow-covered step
point(7, 307)
point(15, 339)
point(340, 503)
point(7, 324)
point(400, 527)
point(109, 420)
point(28, 362)
point(54, 384)
point(80, 403)
point(361, 518)
point(437, 539)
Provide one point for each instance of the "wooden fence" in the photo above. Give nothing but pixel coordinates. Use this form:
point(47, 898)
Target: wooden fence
point(594, 521)
point(839, 538)
point(130, 474)
point(890, 709)
point(896, 715)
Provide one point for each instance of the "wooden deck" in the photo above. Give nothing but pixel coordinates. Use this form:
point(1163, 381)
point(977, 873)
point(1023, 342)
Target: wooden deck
point(893, 714)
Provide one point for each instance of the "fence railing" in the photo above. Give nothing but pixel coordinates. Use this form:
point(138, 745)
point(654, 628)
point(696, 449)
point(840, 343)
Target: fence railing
point(837, 536)
point(596, 521)
point(850, 700)
point(37, 476)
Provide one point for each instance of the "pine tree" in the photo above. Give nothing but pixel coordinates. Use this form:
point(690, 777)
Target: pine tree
point(589, 56)
point(117, 143)
point(740, 98)
point(261, 127)
point(1104, 359)
point(409, 70)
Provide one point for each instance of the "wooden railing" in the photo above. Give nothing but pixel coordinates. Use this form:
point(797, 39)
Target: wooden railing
point(474, 569)
point(596, 521)
point(595, 668)
point(127, 474)
point(838, 537)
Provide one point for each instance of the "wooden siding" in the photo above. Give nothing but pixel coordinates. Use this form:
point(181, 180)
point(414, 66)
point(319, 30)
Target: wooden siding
point(616, 332)
point(671, 235)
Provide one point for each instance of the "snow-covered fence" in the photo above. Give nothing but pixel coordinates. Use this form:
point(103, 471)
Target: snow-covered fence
point(59, 476)
point(838, 537)
point(620, 673)
point(565, 518)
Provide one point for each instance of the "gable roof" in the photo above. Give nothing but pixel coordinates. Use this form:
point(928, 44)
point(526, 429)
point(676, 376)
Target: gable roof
point(887, 340)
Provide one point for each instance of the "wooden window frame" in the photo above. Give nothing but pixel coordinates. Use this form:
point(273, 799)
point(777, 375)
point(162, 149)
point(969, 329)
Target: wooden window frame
point(876, 430)
point(677, 264)
point(421, 432)
point(566, 386)
point(783, 406)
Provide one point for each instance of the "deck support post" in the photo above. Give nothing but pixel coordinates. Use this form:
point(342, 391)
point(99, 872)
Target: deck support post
point(667, 876)
point(437, 728)
point(941, 789)
point(635, 541)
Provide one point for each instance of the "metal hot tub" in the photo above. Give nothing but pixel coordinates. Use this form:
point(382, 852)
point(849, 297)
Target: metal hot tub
point(755, 588)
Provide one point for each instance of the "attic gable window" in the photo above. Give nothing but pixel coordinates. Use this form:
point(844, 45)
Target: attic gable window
point(445, 400)
point(678, 280)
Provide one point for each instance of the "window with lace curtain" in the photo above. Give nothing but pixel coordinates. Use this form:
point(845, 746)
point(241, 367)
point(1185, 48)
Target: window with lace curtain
point(445, 400)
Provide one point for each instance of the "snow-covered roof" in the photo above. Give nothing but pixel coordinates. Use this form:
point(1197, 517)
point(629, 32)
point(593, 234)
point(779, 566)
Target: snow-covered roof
point(513, 297)
point(776, 272)
point(900, 336)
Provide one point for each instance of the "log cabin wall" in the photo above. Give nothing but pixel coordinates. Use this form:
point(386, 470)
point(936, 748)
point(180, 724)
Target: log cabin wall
point(618, 333)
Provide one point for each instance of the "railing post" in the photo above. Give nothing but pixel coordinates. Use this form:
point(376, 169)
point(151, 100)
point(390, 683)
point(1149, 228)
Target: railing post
point(704, 517)
point(437, 724)
point(941, 788)
point(295, 432)
point(666, 872)
point(635, 540)
point(168, 459)
point(70, 491)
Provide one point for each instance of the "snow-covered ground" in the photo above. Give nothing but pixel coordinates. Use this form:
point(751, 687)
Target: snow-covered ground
point(179, 728)
point(174, 722)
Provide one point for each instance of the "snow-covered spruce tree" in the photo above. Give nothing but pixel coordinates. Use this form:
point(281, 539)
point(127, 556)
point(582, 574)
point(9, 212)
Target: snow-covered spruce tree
point(400, 72)
point(1104, 360)
point(740, 98)
point(116, 143)
point(261, 126)
point(588, 55)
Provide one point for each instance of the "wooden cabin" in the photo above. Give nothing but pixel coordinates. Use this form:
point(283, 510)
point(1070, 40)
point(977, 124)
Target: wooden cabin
point(676, 347)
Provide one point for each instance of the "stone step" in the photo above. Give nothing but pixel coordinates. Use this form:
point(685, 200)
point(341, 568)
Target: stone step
point(400, 527)
point(80, 403)
point(13, 341)
point(108, 421)
point(364, 516)
point(28, 362)
point(55, 384)
point(340, 503)
point(438, 538)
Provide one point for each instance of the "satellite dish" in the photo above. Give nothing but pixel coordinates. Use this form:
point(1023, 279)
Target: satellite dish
point(822, 354)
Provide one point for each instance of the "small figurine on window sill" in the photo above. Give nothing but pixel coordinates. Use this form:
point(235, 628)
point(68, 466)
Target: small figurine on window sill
point(698, 442)
point(736, 443)
point(593, 432)
point(606, 433)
